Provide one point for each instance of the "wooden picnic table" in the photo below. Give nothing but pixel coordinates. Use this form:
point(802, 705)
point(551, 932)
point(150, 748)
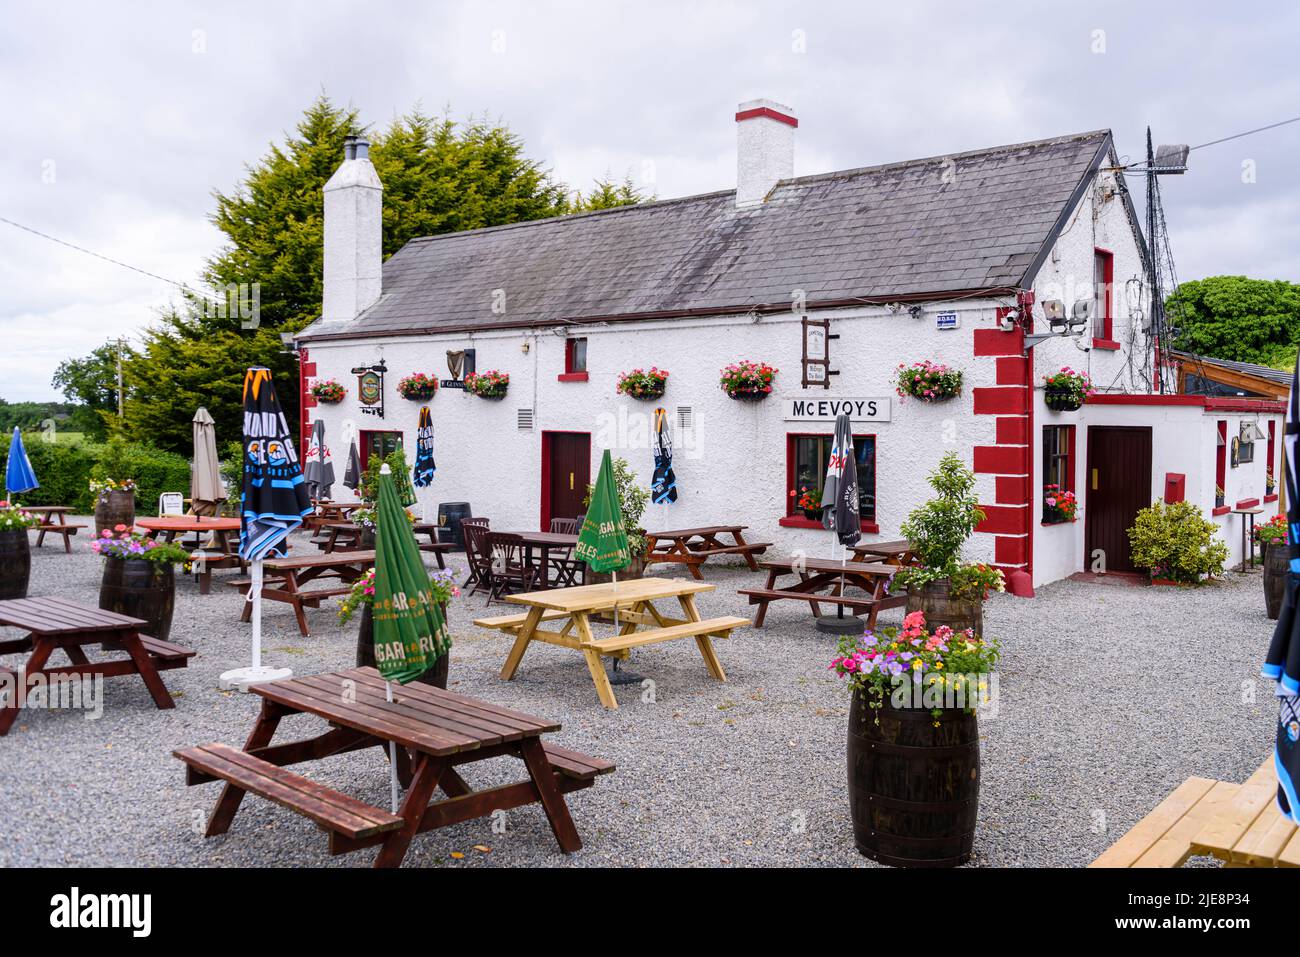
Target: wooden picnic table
point(283, 579)
point(824, 581)
point(436, 732)
point(634, 600)
point(328, 511)
point(898, 552)
point(537, 555)
point(53, 623)
point(341, 533)
point(435, 545)
point(224, 531)
point(693, 546)
point(53, 519)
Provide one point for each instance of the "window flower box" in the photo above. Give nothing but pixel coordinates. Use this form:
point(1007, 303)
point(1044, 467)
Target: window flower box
point(1066, 390)
point(488, 385)
point(747, 381)
point(643, 383)
point(927, 381)
point(418, 387)
point(329, 391)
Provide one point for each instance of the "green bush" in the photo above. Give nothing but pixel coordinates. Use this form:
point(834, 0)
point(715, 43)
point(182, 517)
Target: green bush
point(65, 470)
point(1177, 542)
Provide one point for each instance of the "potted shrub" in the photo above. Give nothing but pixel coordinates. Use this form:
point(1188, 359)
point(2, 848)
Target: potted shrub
point(361, 598)
point(418, 387)
point(1176, 543)
point(139, 577)
point(368, 492)
point(747, 380)
point(1059, 505)
point(112, 484)
point(1219, 496)
point(328, 391)
point(1065, 390)
point(927, 381)
point(809, 501)
point(913, 742)
point(633, 496)
point(1270, 483)
point(642, 383)
point(488, 385)
point(15, 550)
point(1272, 538)
point(950, 592)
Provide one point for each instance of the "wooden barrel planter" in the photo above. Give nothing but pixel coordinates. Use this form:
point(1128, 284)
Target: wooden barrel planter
point(113, 509)
point(913, 783)
point(15, 563)
point(141, 589)
point(1277, 560)
point(942, 609)
point(436, 676)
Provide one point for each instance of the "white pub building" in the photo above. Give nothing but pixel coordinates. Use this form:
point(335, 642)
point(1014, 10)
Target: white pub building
point(834, 279)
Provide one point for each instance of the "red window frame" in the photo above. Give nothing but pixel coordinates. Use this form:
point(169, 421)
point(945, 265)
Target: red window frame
point(1221, 467)
point(571, 371)
point(1103, 326)
point(367, 442)
point(1272, 436)
point(1067, 456)
point(794, 517)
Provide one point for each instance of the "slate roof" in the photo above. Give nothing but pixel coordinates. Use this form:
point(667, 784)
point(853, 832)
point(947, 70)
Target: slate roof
point(981, 220)
point(1277, 376)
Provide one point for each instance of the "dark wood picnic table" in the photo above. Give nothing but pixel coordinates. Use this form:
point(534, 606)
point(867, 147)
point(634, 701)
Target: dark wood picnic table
point(436, 732)
point(328, 511)
point(338, 534)
point(824, 581)
point(284, 578)
point(435, 545)
point(54, 623)
point(53, 519)
point(537, 555)
point(899, 552)
point(693, 546)
point(225, 535)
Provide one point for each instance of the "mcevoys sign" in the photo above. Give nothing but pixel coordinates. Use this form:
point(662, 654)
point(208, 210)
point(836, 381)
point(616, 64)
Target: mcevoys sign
point(868, 409)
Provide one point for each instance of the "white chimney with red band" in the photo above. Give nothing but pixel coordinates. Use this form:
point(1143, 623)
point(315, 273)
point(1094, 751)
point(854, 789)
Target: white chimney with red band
point(354, 222)
point(764, 149)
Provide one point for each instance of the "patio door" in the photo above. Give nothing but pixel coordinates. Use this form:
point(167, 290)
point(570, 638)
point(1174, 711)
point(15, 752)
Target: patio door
point(566, 473)
point(1118, 487)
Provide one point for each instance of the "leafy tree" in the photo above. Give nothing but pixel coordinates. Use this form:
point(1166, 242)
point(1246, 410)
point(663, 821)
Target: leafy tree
point(1236, 318)
point(90, 382)
point(940, 527)
point(607, 194)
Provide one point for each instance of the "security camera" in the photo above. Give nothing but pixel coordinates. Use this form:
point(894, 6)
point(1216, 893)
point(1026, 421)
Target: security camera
point(1007, 323)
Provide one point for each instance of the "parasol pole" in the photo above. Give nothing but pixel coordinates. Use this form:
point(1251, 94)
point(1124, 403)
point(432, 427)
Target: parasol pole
point(255, 591)
point(392, 749)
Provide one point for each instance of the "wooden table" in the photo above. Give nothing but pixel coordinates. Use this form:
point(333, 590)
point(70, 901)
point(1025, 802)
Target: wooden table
point(823, 581)
point(224, 531)
point(338, 534)
point(434, 545)
point(540, 544)
point(693, 546)
point(53, 519)
point(897, 553)
point(53, 623)
point(634, 599)
point(327, 511)
point(436, 732)
point(283, 579)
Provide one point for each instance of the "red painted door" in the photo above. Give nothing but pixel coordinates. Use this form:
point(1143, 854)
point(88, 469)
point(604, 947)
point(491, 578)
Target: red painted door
point(1119, 486)
point(566, 473)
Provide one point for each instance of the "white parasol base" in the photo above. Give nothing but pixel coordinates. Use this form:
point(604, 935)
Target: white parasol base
point(241, 678)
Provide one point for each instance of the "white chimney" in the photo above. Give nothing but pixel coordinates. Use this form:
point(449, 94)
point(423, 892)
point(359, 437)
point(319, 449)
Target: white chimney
point(764, 149)
point(354, 221)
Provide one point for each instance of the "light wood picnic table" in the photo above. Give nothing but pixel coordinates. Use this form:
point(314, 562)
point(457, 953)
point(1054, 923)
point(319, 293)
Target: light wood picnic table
point(57, 623)
point(634, 600)
point(825, 581)
point(224, 531)
point(284, 577)
point(694, 546)
point(436, 731)
point(53, 519)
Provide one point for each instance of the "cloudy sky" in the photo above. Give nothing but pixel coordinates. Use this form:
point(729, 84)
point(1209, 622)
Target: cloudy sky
point(120, 119)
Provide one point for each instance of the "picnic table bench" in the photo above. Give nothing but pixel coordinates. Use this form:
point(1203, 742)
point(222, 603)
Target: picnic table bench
point(823, 581)
point(634, 601)
point(692, 547)
point(436, 732)
point(57, 623)
point(340, 533)
point(54, 519)
point(1238, 823)
point(283, 579)
point(225, 536)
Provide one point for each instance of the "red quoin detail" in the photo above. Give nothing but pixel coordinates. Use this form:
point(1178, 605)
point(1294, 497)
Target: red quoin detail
point(1013, 370)
point(1005, 519)
point(1011, 549)
point(1011, 490)
point(995, 342)
point(1000, 459)
point(1013, 430)
point(993, 401)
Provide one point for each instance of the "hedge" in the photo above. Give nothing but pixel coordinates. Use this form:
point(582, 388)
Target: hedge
point(64, 473)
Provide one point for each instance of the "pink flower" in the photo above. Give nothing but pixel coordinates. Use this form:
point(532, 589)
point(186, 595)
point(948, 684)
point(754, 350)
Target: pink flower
point(915, 620)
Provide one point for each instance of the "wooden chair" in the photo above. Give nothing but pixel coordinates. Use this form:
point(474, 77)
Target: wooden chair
point(478, 558)
point(508, 564)
point(564, 567)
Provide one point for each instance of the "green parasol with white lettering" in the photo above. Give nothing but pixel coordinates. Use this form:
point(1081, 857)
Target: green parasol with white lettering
point(602, 541)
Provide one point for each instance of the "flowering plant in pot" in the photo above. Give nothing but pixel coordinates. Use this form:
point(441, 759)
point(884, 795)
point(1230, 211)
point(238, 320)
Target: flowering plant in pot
point(139, 577)
point(1270, 483)
point(361, 600)
point(1059, 505)
point(488, 385)
point(112, 483)
point(913, 742)
point(643, 383)
point(746, 379)
point(15, 550)
point(329, 391)
point(1066, 389)
point(417, 386)
point(809, 501)
point(928, 381)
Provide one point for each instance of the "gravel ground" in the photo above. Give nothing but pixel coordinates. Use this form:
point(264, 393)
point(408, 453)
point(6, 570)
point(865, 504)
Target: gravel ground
point(1110, 696)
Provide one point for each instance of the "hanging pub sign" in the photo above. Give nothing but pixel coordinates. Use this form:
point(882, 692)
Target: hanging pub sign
point(817, 338)
point(859, 409)
point(460, 363)
point(370, 388)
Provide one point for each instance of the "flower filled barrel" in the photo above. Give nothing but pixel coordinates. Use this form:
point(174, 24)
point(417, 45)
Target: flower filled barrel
point(15, 550)
point(139, 577)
